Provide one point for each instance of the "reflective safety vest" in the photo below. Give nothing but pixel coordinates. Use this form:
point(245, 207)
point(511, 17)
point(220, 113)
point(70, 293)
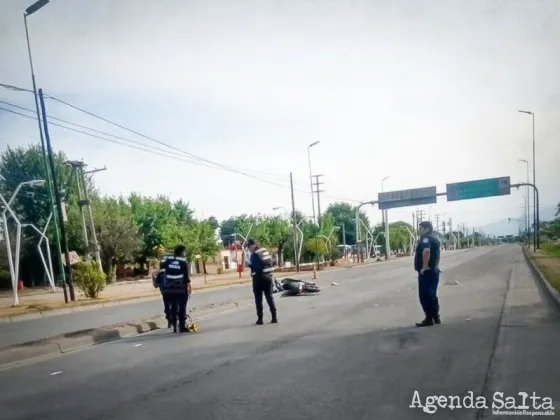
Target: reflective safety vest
point(174, 274)
point(261, 265)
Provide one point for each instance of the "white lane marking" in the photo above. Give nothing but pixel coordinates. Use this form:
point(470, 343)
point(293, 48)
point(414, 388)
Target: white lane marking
point(137, 345)
point(58, 372)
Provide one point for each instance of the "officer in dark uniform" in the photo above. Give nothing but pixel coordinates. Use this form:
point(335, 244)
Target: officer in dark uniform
point(177, 286)
point(426, 264)
point(261, 271)
point(158, 281)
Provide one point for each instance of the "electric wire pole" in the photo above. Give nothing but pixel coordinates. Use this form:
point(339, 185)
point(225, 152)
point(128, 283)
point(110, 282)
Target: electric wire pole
point(318, 191)
point(294, 223)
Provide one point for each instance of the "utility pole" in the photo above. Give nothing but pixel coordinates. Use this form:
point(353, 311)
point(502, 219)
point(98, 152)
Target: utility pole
point(294, 224)
point(64, 239)
point(318, 191)
point(344, 239)
point(437, 222)
point(86, 200)
point(414, 227)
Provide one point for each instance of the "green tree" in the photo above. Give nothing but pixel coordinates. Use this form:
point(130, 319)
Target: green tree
point(118, 236)
point(314, 245)
point(278, 232)
point(207, 244)
point(344, 214)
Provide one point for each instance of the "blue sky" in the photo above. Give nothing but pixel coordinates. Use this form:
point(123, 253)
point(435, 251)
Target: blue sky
point(425, 92)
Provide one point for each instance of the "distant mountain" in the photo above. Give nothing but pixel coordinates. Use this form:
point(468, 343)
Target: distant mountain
point(506, 227)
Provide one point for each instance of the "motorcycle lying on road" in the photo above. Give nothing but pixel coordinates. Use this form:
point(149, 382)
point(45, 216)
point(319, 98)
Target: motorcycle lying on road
point(294, 287)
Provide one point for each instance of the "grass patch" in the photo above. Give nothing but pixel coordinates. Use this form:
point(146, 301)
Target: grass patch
point(552, 250)
point(548, 260)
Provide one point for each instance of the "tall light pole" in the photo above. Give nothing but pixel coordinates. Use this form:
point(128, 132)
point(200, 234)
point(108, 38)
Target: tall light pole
point(311, 176)
point(385, 218)
point(536, 207)
point(527, 219)
point(28, 12)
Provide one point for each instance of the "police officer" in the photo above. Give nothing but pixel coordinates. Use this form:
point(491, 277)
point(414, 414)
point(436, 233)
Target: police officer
point(261, 271)
point(159, 283)
point(426, 264)
point(177, 286)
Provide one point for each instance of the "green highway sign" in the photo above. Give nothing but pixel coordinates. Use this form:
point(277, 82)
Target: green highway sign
point(478, 189)
point(406, 198)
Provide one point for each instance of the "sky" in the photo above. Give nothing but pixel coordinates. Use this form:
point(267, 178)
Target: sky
point(423, 92)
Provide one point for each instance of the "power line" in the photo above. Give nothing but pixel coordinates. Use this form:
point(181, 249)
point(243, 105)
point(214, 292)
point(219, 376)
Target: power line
point(148, 148)
point(192, 155)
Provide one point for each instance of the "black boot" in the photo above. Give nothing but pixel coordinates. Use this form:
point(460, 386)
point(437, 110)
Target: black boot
point(437, 319)
point(274, 319)
point(169, 324)
point(183, 328)
point(427, 322)
point(259, 321)
point(174, 327)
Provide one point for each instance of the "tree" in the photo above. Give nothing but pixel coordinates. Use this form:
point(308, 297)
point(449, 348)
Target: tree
point(278, 232)
point(237, 225)
point(345, 214)
point(118, 236)
point(314, 245)
point(213, 222)
point(207, 244)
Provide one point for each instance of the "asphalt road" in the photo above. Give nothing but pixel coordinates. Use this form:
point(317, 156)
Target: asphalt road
point(349, 353)
point(30, 330)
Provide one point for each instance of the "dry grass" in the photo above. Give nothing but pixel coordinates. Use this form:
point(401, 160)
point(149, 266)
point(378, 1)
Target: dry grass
point(548, 261)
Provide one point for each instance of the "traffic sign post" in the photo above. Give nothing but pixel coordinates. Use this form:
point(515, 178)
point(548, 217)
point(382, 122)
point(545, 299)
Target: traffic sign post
point(480, 188)
point(405, 198)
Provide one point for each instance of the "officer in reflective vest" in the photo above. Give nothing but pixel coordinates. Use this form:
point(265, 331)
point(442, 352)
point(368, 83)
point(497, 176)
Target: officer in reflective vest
point(261, 272)
point(159, 283)
point(426, 263)
point(176, 286)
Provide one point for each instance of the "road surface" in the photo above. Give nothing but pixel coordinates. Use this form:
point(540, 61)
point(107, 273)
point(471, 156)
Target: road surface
point(348, 353)
point(35, 329)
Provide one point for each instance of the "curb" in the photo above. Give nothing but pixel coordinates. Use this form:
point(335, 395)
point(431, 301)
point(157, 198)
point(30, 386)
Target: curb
point(552, 293)
point(14, 355)
point(65, 343)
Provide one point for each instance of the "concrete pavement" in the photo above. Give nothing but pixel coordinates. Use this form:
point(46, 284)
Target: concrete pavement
point(348, 353)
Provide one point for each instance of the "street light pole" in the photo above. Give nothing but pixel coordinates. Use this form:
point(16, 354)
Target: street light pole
point(311, 175)
point(527, 219)
point(48, 176)
point(58, 199)
point(536, 207)
point(386, 225)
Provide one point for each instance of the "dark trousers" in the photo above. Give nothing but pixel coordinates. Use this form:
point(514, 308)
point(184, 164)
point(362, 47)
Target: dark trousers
point(261, 287)
point(178, 307)
point(427, 291)
point(166, 306)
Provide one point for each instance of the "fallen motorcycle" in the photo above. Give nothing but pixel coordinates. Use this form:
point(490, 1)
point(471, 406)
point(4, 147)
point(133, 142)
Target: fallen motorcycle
point(293, 287)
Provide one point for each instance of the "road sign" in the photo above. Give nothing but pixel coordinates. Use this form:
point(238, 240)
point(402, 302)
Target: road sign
point(478, 189)
point(405, 198)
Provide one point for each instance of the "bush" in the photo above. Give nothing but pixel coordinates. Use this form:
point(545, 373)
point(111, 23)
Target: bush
point(89, 279)
point(5, 280)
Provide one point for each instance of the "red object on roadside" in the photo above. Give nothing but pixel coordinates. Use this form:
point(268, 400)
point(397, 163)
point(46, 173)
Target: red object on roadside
point(20, 285)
